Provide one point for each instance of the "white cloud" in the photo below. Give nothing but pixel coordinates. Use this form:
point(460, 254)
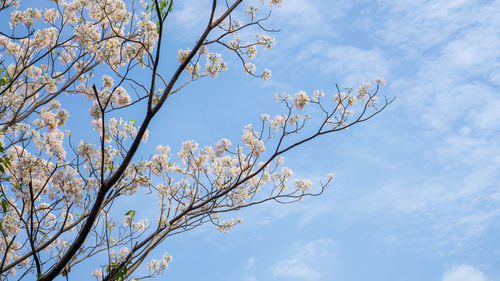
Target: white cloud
point(306, 260)
point(350, 65)
point(296, 269)
point(308, 18)
point(191, 14)
point(250, 263)
point(446, 213)
point(463, 273)
point(249, 278)
point(448, 56)
point(453, 51)
point(444, 58)
point(418, 25)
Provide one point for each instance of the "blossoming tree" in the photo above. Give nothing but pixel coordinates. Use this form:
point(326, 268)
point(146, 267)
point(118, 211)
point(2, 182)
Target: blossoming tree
point(57, 193)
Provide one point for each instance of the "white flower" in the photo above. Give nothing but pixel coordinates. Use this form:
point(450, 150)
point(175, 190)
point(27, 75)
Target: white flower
point(250, 68)
point(303, 185)
point(214, 65)
point(266, 75)
point(140, 226)
point(182, 55)
point(379, 81)
point(276, 3)
point(252, 11)
point(266, 41)
point(97, 274)
point(222, 146)
point(252, 52)
point(301, 99)
point(123, 253)
point(265, 117)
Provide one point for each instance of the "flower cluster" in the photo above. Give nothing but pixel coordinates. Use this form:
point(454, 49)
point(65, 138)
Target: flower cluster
point(301, 99)
point(266, 41)
point(28, 17)
point(94, 50)
point(252, 141)
point(276, 2)
point(182, 55)
point(214, 65)
point(303, 184)
point(158, 266)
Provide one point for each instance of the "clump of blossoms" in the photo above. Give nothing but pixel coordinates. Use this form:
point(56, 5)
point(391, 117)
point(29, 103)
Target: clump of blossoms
point(301, 99)
point(64, 182)
point(214, 65)
point(156, 267)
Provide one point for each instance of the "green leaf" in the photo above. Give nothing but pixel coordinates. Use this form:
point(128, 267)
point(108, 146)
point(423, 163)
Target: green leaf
point(130, 213)
point(4, 206)
point(121, 274)
point(2, 169)
point(4, 76)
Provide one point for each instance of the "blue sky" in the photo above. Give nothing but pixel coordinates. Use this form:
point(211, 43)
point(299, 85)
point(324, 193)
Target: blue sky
point(416, 190)
point(416, 193)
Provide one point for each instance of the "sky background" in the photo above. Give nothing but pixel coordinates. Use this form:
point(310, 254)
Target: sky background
point(416, 192)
